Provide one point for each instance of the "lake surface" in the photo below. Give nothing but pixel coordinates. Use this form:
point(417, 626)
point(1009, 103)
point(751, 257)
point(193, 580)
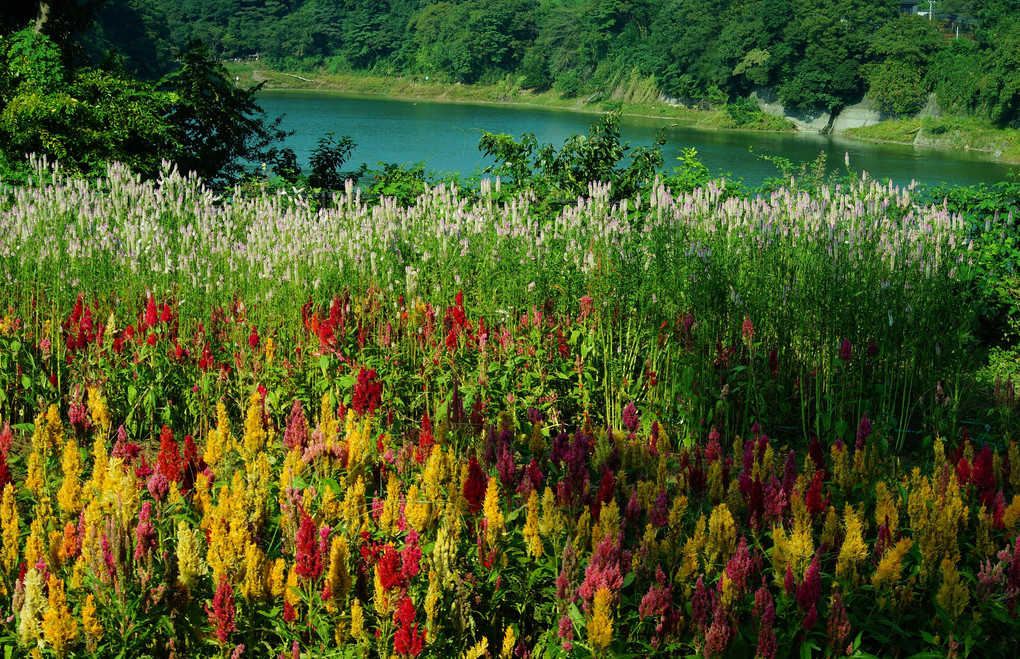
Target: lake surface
point(445, 137)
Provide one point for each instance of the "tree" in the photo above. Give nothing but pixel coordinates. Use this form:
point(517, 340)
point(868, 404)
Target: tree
point(216, 126)
point(898, 81)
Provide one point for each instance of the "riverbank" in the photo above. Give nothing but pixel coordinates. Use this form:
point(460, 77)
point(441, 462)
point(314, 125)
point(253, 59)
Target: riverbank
point(632, 98)
point(945, 132)
point(637, 98)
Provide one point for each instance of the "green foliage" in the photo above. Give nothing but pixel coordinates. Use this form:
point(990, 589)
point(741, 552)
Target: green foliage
point(403, 184)
point(566, 173)
point(84, 120)
point(327, 161)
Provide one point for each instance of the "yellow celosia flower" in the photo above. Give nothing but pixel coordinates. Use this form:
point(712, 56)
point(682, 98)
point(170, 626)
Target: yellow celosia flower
point(35, 545)
point(432, 607)
point(391, 507)
point(339, 571)
point(254, 586)
point(509, 643)
point(276, 580)
point(532, 537)
point(329, 425)
point(291, 594)
point(677, 512)
point(691, 564)
point(841, 470)
point(54, 429)
point(36, 476)
point(891, 564)
point(293, 466)
point(831, 527)
point(416, 510)
point(270, 350)
point(853, 551)
point(99, 411)
point(1011, 518)
point(716, 492)
point(190, 564)
point(553, 521)
point(478, 650)
point(722, 536)
point(254, 428)
point(608, 524)
point(358, 438)
point(984, 541)
point(120, 491)
point(60, 629)
point(886, 507)
point(600, 626)
point(357, 620)
point(90, 623)
point(582, 529)
point(354, 510)
point(11, 527)
point(40, 443)
point(100, 462)
point(69, 496)
point(953, 595)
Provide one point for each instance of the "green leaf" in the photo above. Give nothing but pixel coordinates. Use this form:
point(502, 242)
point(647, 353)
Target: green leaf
point(26, 382)
point(15, 346)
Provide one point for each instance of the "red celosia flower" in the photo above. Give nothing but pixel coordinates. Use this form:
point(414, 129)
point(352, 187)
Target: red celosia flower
point(389, 568)
point(425, 436)
point(150, 312)
point(169, 460)
point(307, 554)
point(845, 350)
point(367, 392)
point(474, 486)
point(814, 500)
point(253, 338)
point(5, 474)
point(408, 640)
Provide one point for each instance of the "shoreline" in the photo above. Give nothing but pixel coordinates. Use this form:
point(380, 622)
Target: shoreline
point(405, 89)
point(943, 134)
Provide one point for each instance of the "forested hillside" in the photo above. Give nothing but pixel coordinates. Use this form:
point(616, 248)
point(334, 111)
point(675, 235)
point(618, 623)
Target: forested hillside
point(814, 53)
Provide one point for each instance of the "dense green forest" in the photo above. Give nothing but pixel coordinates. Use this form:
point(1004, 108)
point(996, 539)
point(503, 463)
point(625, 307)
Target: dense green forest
point(812, 53)
point(141, 81)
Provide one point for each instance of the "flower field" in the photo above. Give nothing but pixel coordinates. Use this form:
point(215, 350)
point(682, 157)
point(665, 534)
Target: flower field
point(682, 425)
